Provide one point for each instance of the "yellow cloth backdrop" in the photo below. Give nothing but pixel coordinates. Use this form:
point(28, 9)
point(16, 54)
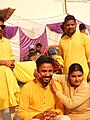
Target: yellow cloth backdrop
point(24, 70)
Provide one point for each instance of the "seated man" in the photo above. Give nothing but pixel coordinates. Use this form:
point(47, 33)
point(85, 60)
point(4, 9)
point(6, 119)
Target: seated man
point(38, 52)
point(31, 53)
point(38, 49)
point(37, 100)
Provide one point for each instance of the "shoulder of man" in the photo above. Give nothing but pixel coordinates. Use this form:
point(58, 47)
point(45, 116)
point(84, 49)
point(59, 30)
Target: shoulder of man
point(28, 84)
point(5, 39)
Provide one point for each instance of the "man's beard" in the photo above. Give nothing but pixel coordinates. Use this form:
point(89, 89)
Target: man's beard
point(44, 84)
point(37, 50)
point(31, 54)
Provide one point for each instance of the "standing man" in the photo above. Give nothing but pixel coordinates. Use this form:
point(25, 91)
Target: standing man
point(75, 47)
point(37, 99)
point(9, 89)
point(82, 28)
point(31, 53)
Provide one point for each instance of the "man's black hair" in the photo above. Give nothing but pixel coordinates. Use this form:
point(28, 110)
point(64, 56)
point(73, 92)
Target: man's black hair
point(69, 17)
point(44, 59)
point(82, 26)
point(1, 19)
point(62, 27)
point(39, 44)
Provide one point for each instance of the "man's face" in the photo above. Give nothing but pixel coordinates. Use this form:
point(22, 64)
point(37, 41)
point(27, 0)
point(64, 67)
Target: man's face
point(70, 27)
point(1, 30)
point(76, 78)
point(45, 73)
point(31, 51)
point(38, 48)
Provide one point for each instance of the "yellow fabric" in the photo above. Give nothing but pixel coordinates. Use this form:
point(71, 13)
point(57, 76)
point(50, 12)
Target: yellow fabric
point(9, 89)
point(24, 70)
point(75, 49)
point(6, 52)
point(60, 60)
point(36, 99)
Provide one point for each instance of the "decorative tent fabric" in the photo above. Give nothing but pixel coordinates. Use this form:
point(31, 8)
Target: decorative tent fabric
point(20, 42)
point(56, 27)
point(10, 32)
point(25, 42)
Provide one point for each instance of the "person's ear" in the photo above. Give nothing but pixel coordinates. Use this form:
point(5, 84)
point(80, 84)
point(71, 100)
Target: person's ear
point(37, 70)
point(76, 24)
point(36, 74)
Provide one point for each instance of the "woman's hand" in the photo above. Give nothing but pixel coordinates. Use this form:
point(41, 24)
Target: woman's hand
point(53, 85)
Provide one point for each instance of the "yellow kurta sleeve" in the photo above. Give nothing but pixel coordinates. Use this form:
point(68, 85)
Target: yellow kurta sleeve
point(60, 49)
point(11, 52)
point(59, 105)
point(6, 50)
point(24, 112)
point(86, 41)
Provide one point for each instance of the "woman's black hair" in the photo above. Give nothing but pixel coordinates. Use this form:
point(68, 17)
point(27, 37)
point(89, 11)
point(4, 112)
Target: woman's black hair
point(75, 67)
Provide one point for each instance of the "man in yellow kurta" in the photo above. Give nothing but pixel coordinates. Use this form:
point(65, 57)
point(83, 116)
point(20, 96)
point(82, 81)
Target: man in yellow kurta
point(37, 100)
point(75, 47)
point(9, 89)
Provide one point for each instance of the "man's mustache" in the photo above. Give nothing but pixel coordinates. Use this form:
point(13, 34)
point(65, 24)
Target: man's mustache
point(47, 76)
